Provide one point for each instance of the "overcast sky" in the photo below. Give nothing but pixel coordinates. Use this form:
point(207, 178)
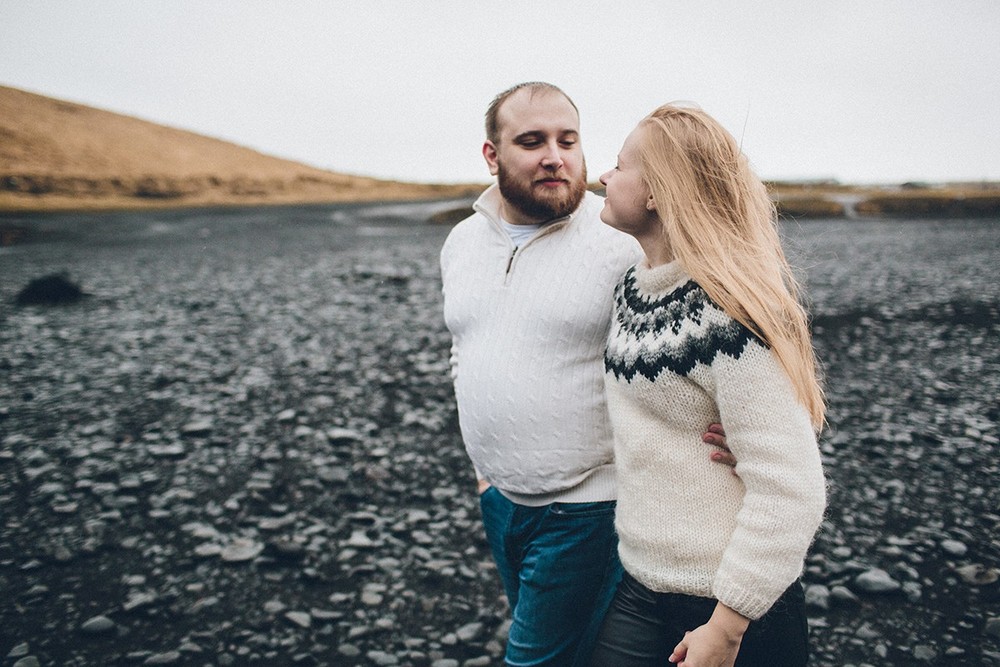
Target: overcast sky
point(862, 91)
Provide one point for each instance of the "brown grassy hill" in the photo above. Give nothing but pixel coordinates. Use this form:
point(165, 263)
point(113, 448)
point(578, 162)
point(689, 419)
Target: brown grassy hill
point(56, 155)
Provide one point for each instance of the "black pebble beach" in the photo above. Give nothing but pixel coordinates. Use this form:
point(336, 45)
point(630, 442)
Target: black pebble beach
point(241, 447)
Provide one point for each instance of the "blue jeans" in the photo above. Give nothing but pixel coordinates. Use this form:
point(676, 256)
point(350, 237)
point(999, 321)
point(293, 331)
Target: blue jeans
point(642, 628)
point(559, 567)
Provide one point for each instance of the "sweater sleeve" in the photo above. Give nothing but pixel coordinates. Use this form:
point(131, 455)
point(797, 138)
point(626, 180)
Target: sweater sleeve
point(778, 461)
point(443, 263)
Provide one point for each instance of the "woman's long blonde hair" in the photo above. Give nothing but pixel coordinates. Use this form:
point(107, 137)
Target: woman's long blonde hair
point(721, 226)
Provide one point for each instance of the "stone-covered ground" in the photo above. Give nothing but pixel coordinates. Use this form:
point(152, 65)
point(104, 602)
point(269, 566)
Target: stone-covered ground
point(241, 447)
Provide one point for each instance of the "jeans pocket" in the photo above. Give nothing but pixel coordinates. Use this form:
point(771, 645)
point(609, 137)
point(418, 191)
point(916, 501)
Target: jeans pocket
point(490, 498)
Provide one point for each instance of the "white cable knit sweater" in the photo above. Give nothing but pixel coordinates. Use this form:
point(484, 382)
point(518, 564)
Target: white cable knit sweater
point(528, 330)
point(675, 362)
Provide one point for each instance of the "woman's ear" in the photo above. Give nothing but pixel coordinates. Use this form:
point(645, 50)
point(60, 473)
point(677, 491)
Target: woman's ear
point(650, 204)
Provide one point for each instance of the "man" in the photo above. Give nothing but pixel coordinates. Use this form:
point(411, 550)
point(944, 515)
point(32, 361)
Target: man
point(528, 282)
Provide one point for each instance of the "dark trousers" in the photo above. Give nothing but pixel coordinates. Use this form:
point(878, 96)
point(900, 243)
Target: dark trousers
point(642, 627)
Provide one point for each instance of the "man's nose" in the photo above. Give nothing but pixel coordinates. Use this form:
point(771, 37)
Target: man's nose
point(552, 159)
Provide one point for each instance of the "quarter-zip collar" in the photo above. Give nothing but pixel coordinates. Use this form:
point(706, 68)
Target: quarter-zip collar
point(488, 205)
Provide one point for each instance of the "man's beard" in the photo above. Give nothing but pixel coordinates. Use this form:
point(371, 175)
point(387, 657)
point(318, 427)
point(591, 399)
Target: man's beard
point(524, 196)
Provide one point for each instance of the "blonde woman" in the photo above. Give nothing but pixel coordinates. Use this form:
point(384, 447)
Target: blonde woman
point(708, 327)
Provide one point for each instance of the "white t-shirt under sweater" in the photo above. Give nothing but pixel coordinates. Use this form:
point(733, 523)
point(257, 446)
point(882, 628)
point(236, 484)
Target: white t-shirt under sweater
point(528, 327)
point(520, 234)
point(675, 361)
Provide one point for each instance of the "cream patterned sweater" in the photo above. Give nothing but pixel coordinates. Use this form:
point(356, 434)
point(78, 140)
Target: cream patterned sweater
point(675, 362)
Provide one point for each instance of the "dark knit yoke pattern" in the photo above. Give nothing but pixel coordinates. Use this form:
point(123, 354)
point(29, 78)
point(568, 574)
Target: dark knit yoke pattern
point(671, 332)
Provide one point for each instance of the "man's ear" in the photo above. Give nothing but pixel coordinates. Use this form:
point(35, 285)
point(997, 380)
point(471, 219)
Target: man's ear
point(490, 153)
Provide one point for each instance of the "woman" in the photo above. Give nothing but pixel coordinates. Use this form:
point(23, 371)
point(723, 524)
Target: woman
point(707, 328)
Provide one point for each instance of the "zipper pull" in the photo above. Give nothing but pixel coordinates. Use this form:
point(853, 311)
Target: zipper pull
point(510, 262)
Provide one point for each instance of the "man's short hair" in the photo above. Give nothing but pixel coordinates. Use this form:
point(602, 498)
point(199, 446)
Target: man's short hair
point(493, 111)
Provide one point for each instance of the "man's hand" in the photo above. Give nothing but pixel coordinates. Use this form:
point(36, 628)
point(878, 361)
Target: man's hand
point(716, 436)
point(481, 486)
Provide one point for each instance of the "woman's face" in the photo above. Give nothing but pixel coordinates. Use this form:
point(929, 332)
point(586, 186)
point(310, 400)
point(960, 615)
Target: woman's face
point(628, 205)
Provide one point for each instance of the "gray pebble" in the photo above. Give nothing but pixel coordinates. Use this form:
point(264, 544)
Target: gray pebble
point(481, 661)
point(843, 594)
point(19, 650)
point(98, 625)
point(469, 632)
point(876, 581)
point(382, 658)
point(954, 548)
point(818, 596)
point(348, 650)
point(299, 618)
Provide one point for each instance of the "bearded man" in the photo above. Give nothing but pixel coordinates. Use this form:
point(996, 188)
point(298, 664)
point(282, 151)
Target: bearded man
point(528, 282)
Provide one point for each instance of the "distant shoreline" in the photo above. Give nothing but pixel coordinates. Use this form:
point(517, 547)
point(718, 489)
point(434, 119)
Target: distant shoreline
point(793, 200)
point(53, 194)
point(911, 200)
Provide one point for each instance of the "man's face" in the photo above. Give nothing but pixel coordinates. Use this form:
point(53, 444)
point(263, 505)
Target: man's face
point(538, 159)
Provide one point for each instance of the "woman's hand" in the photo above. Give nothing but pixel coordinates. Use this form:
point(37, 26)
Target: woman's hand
point(715, 644)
